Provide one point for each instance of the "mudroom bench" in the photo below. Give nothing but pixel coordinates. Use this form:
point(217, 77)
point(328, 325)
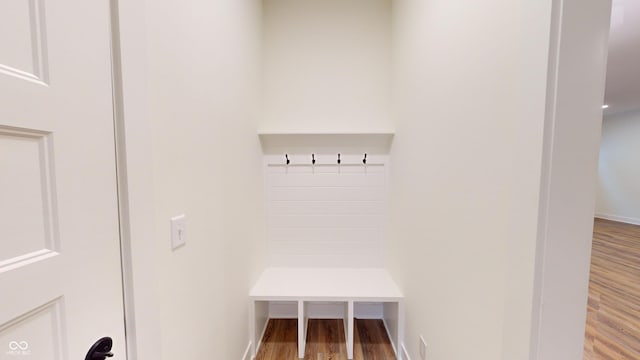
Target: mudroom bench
point(346, 293)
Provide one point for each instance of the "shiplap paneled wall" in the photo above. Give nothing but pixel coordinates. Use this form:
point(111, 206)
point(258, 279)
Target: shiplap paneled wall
point(327, 215)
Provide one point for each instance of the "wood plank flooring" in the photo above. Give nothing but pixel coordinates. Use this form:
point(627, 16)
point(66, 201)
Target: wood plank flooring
point(325, 340)
point(280, 340)
point(613, 312)
point(371, 341)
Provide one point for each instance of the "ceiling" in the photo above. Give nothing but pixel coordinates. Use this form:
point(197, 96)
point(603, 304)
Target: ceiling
point(623, 70)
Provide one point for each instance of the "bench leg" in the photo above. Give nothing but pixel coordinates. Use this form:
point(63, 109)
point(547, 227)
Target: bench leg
point(400, 338)
point(350, 337)
point(302, 329)
point(252, 328)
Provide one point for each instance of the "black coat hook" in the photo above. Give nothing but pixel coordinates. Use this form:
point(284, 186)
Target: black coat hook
point(287, 157)
point(339, 159)
point(313, 159)
point(364, 161)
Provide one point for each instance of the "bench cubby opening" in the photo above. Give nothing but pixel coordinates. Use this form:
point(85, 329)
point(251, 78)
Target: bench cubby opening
point(327, 293)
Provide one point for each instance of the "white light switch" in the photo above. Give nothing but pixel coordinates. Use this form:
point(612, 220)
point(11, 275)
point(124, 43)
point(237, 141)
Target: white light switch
point(178, 231)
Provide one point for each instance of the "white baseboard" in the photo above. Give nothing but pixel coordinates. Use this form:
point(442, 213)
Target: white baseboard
point(405, 353)
point(247, 353)
point(622, 219)
point(264, 329)
point(391, 340)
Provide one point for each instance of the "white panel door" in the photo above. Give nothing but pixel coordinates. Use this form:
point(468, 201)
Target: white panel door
point(60, 279)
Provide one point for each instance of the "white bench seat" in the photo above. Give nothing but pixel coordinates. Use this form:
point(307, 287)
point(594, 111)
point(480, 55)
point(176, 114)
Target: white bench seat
point(342, 285)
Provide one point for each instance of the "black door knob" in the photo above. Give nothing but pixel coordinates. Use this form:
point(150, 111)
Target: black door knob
point(100, 350)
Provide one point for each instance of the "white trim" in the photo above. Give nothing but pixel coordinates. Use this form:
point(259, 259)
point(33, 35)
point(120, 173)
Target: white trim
point(393, 345)
point(622, 219)
point(562, 224)
point(350, 329)
point(302, 330)
point(135, 178)
point(259, 342)
point(126, 272)
point(405, 353)
point(545, 177)
point(247, 352)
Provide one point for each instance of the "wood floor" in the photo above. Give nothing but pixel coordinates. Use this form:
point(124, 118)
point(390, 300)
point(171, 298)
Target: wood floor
point(613, 313)
point(325, 341)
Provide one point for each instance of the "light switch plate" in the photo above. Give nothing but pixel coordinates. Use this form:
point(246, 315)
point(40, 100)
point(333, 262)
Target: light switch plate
point(178, 231)
point(423, 348)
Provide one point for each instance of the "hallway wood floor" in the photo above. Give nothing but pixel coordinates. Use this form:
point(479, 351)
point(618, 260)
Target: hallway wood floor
point(325, 341)
point(613, 313)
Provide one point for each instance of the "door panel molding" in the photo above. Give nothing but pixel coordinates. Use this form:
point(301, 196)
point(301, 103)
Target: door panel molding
point(37, 68)
point(36, 217)
point(39, 333)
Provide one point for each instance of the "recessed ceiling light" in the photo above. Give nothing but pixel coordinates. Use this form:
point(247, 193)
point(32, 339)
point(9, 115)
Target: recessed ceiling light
point(605, 106)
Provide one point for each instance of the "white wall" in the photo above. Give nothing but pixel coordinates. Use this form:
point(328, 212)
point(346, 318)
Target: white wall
point(618, 196)
point(526, 163)
point(491, 266)
point(203, 71)
point(450, 171)
point(465, 221)
point(327, 66)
